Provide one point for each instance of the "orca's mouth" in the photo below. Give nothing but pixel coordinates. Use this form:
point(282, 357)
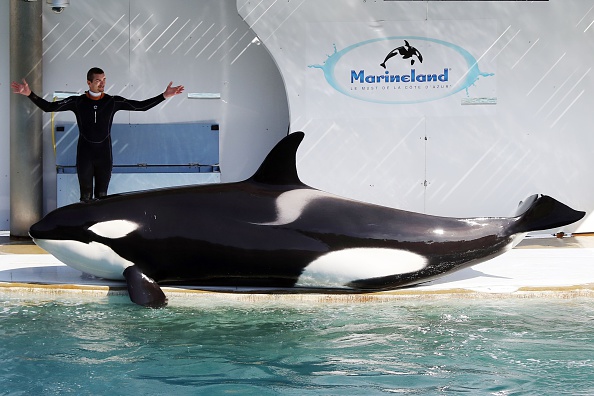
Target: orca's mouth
point(44, 230)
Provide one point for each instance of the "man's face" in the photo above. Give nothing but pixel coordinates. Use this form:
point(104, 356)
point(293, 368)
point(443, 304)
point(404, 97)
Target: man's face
point(98, 83)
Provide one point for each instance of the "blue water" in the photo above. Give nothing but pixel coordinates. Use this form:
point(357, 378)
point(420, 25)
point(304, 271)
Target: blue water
point(221, 347)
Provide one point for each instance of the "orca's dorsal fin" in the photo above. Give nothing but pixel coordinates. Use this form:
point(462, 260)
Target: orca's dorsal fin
point(279, 166)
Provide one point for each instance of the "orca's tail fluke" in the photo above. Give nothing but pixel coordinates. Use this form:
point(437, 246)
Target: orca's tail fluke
point(541, 212)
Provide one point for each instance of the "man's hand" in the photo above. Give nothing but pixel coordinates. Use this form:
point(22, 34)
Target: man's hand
point(172, 91)
point(23, 88)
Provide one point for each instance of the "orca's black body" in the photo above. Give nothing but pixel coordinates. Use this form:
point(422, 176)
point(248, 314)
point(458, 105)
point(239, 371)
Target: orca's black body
point(406, 51)
point(273, 231)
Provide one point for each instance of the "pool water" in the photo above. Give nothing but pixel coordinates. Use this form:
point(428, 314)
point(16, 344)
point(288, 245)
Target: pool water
point(218, 346)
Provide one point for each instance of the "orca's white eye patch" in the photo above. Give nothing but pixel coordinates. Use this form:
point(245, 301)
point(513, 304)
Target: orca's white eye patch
point(113, 229)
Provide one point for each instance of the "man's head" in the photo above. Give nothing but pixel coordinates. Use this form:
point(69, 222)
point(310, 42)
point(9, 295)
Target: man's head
point(96, 79)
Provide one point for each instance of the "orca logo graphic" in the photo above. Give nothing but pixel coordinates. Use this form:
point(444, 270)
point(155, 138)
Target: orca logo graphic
point(406, 51)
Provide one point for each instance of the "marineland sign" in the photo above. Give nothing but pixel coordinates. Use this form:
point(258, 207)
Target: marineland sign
point(415, 70)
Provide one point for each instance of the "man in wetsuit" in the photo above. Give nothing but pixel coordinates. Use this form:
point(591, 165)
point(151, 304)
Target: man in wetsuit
point(94, 112)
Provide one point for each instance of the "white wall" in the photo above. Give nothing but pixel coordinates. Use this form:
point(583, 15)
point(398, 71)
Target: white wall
point(469, 164)
point(474, 161)
point(4, 115)
point(144, 44)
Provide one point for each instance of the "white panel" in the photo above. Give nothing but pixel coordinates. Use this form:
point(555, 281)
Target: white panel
point(390, 173)
point(530, 135)
point(206, 46)
point(5, 93)
point(177, 43)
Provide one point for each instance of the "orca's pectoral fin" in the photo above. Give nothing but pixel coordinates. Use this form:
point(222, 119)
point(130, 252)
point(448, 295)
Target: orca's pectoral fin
point(143, 290)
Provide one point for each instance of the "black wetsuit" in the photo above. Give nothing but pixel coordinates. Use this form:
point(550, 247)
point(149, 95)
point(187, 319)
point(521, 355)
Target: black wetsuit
point(94, 118)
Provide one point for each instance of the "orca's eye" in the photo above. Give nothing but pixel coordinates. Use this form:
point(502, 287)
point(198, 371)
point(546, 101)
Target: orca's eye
point(113, 229)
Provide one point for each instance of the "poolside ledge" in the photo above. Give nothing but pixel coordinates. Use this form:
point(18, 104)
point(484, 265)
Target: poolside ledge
point(538, 267)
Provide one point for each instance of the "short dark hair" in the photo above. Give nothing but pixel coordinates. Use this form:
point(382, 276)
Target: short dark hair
point(92, 71)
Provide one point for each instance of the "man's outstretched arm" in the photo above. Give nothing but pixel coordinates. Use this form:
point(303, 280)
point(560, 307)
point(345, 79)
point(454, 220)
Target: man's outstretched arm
point(61, 105)
point(143, 105)
point(22, 89)
point(172, 91)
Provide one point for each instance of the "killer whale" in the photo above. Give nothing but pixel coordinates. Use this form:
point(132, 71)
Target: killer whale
point(406, 51)
point(274, 231)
